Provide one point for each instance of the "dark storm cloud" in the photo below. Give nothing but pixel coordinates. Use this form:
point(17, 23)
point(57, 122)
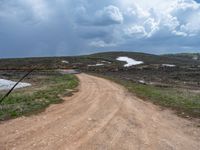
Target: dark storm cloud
point(69, 27)
point(36, 28)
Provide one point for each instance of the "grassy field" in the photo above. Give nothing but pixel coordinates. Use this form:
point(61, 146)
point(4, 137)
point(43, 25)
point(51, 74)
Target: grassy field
point(35, 99)
point(185, 102)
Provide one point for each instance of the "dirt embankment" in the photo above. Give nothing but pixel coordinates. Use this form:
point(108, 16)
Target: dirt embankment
point(102, 115)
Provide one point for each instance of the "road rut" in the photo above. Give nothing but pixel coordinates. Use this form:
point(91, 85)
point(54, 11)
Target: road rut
point(101, 116)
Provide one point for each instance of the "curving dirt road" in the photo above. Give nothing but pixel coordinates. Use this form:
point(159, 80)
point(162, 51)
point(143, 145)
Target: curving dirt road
point(103, 116)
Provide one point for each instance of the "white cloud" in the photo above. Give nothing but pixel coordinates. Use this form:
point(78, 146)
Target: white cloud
point(135, 30)
point(137, 12)
point(176, 18)
point(151, 26)
point(192, 27)
point(109, 15)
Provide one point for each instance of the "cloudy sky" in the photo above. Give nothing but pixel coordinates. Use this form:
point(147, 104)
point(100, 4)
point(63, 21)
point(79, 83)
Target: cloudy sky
point(72, 27)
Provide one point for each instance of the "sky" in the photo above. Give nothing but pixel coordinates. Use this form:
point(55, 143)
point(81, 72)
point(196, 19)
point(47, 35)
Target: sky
point(30, 28)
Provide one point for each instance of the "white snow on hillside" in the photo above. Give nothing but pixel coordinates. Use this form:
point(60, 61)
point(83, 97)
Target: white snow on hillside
point(7, 84)
point(95, 65)
point(129, 61)
point(168, 65)
point(103, 61)
point(64, 61)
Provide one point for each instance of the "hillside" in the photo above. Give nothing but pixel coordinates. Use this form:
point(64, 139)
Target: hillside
point(186, 56)
point(82, 61)
point(147, 58)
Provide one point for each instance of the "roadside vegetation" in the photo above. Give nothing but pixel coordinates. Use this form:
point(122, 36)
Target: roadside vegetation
point(185, 102)
point(176, 86)
point(47, 90)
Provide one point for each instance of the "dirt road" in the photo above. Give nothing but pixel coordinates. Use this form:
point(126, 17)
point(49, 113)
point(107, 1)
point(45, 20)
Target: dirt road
point(103, 116)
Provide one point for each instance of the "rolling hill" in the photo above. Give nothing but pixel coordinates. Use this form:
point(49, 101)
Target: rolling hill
point(82, 61)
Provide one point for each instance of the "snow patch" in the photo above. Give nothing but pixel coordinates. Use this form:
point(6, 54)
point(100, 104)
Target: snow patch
point(64, 61)
point(7, 84)
point(130, 61)
point(142, 81)
point(168, 65)
point(95, 65)
point(103, 61)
